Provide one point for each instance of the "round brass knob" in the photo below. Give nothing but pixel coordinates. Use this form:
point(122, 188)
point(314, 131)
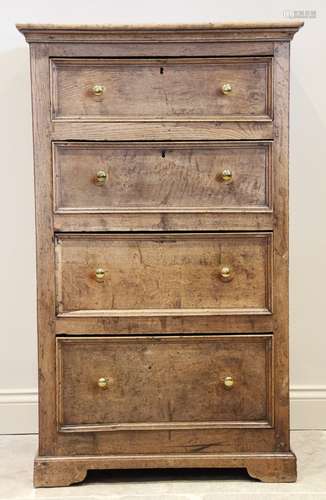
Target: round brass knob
point(225, 273)
point(103, 383)
point(99, 275)
point(228, 382)
point(101, 178)
point(226, 88)
point(98, 90)
point(227, 176)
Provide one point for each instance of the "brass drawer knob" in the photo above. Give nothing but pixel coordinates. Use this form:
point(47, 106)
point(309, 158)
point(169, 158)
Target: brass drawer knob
point(226, 88)
point(227, 176)
point(99, 275)
point(103, 383)
point(98, 90)
point(225, 273)
point(101, 178)
point(228, 382)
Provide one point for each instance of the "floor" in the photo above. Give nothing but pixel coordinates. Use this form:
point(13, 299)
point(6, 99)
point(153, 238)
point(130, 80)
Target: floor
point(17, 452)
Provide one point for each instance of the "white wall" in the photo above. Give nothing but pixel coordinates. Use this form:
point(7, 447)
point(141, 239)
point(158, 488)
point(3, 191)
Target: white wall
point(308, 190)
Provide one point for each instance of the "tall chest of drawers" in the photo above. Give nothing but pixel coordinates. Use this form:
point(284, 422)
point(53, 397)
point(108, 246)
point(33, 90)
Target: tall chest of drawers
point(161, 178)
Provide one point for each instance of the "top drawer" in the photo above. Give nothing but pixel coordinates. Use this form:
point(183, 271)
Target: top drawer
point(175, 89)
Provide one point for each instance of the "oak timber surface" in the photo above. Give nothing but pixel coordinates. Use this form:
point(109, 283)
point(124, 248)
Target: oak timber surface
point(161, 89)
point(211, 262)
point(176, 272)
point(164, 382)
point(162, 177)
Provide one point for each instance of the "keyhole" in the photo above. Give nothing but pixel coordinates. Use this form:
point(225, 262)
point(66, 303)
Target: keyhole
point(163, 154)
point(161, 71)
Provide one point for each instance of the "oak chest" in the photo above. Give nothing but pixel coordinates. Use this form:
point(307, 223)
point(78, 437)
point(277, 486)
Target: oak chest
point(161, 177)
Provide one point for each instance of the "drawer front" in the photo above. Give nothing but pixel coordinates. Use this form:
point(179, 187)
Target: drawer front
point(164, 382)
point(170, 274)
point(162, 89)
point(162, 177)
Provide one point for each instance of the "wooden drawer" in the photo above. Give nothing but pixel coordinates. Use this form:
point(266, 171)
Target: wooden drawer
point(164, 382)
point(161, 89)
point(163, 274)
point(162, 177)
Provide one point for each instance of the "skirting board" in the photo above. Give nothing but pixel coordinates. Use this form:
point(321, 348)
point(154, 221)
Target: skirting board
point(18, 409)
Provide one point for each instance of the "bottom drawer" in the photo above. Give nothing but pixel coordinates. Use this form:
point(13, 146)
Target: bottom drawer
point(174, 382)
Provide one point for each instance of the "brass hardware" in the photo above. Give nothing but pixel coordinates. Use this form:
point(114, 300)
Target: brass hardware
point(226, 88)
point(228, 382)
point(227, 176)
point(98, 90)
point(103, 383)
point(101, 178)
point(225, 273)
point(99, 275)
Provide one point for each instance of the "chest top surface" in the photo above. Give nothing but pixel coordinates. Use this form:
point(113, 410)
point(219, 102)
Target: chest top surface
point(245, 31)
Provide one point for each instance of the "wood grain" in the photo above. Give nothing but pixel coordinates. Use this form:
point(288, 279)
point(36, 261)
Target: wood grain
point(44, 248)
point(162, 177)
point(161, 89)
point(268, 467)
point(281, 238)
point(167, 274)
point(230, 32)
point(164, 382)
point(185, 441)
point(227, 220)
point(195, 130)
point(177, 48)
point(135, 324)
point(162, 303)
